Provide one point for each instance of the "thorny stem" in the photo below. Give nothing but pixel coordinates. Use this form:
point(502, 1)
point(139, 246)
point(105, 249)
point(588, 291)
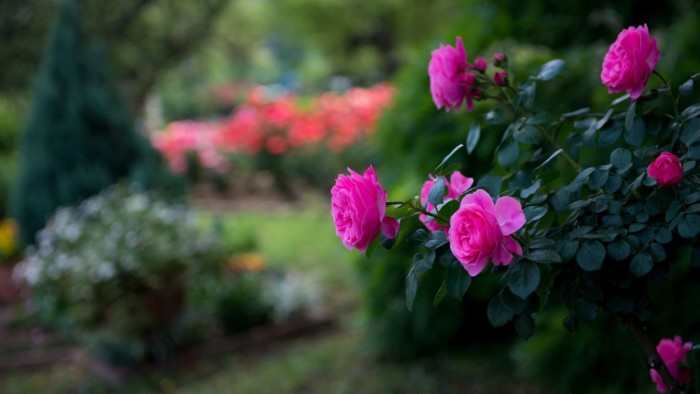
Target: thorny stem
point(654, 361)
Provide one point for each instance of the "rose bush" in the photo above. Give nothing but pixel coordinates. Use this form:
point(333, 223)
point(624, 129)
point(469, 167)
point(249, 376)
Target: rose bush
point(587, 208)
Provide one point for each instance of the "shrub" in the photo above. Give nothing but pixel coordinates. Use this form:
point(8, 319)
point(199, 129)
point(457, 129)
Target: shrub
point(122, 261)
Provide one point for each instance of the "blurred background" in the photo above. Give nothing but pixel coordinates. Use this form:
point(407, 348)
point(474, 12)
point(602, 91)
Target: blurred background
point(164, 194)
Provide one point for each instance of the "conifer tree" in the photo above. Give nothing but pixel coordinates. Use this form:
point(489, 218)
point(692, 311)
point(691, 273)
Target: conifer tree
point(78, 137)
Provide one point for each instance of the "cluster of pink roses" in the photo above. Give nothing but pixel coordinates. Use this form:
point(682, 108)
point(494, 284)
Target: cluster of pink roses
point(275, 126)
point(479, 230)
point(453, 80)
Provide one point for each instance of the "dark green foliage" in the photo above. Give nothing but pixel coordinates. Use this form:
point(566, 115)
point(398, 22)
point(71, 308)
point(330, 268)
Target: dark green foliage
point(78, 138)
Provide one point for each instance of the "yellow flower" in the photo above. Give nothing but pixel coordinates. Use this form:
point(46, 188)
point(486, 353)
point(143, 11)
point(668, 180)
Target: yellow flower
point(8, 237)
point(252, 262)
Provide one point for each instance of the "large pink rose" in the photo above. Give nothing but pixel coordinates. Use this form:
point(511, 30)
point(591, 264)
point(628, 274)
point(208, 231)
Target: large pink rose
point(358, 204)
point(450, 83)
point(630, 61)
point(666, 170)
point(457, 185)
point(480, 231)
point(673, 353)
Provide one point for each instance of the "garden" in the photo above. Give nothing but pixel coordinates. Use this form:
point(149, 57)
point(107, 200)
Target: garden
point(308, 196)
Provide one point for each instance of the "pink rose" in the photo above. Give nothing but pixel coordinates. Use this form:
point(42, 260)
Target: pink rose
point(450, 84)
point(666, 170)
point(673, 353)
point(480, 231)
point(358, 204)
point(500, 78)
point(457, 185)
point(630, 61)
point(480, 64)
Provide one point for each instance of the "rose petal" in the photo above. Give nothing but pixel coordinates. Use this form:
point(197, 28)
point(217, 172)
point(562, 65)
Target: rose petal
point(510, 214)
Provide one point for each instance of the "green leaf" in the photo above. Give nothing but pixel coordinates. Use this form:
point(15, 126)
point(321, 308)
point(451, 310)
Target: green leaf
point(437, 239)
point(508, 154)
point(544, 256)
point(570, 322)
point(550, 158)
point(534, 213)
point(590, 255)
point(598, 179)
point(541, 243)
point(609, 136)
point(629, 116)
point(692, 198)
point(497, 311)
point(490, 183)
point(619, 249)
point(658, 253)
point(568, 249)
point(621, 99)
point(440, 295)
point(494, 117)
point(673, 208)
point(448, 209)
point(422, 262)
point(689, 225)
point(444, 160)
point(411, 289)
point(524, 326)
point(537, 119)
point(523, 278)
point(527, 192)
point(526, 96)
point(560, 200)
point(551, 69)
point(458, 281)
point(599, 125)
point(686, 89)
point(437, 191)
point(528, 135)
point(691, 112)
point(580, 111)
point(621, 158)
point(585, 309)
point(473, 137)
point(514, 303)
point(613, 184)
point(635, 134)
point(641, 264)
point(663, 236)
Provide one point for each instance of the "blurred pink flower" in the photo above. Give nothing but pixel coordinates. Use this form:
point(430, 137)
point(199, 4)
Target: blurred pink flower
point(673, 352)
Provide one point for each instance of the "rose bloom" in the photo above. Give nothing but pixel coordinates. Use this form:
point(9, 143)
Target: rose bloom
point(630, 61)
point(673, 353)
point(457, 185)
point(358, 204)
point(666, 170)
point(480, 231)
point(450, 84)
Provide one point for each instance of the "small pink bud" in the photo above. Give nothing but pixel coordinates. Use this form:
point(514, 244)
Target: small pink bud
point(500, 78)
point(480, 64)
point(499, 59)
